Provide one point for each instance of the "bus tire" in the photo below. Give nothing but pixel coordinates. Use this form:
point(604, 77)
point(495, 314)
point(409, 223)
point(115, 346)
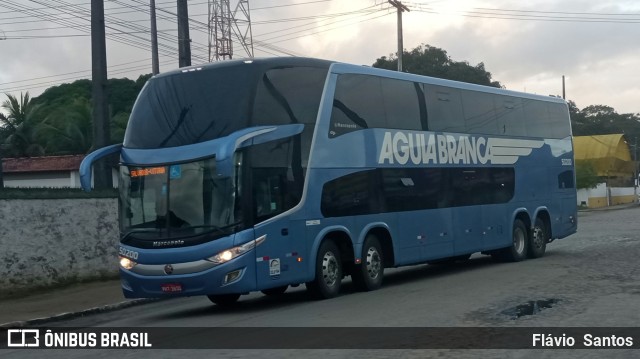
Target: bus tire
point(368, 275)
point(275, 291)
point(517, 251)
point(328, 272)
point(224, 300)
point(538, 239)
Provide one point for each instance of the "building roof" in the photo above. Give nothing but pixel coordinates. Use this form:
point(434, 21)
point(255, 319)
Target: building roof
point(601, 146)
point(609, 154)
point(42, 164)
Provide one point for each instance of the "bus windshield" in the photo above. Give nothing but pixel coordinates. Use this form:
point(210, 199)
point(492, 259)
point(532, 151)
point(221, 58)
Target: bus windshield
point(179, 201)
point(191, 107)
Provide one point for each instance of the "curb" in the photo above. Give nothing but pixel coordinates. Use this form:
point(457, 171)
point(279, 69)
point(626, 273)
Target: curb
point(610, 208)
point(86, 312)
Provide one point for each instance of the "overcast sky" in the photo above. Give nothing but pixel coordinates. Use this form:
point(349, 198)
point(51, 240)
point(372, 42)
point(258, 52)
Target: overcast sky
point(527, 46)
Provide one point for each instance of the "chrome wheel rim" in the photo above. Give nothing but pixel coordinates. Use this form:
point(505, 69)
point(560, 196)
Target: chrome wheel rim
point(518, 240)
point(538, 237)
point(374, 262)
point(330, 269)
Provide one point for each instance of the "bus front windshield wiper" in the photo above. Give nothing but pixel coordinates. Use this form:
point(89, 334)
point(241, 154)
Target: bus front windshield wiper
point(209, 228)
point(130, 232)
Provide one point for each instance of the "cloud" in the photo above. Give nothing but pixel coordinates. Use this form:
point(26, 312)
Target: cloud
point(599, 59)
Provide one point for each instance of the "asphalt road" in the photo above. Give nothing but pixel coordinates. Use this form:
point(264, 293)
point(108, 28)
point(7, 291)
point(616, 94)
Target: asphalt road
point(591, 279)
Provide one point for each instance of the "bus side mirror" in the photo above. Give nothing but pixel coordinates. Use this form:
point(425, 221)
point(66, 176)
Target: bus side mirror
point(87, 163)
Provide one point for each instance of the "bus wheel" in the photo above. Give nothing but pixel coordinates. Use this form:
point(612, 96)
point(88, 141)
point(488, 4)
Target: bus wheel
point(519, 245)
point(538, 240)
point(224, 300)
point(368, 275)
point(275, 291)
point(328, 272)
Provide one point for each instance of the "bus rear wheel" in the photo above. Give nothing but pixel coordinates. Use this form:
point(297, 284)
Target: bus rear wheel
point(224, 300)
point(368, 275)
point(538, 239)
point(519, 244)
point(328, 272)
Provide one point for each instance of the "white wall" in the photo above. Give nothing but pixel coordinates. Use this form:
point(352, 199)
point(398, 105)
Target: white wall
point(62, 179)
point(585, 194)
point(598, 197)
point(622, 191)
point(43, 179)
point(50, 242)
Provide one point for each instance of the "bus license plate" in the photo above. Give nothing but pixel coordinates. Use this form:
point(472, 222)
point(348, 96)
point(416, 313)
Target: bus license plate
point(171, 287)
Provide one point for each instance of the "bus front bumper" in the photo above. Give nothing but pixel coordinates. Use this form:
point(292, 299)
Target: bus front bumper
point(236, 276)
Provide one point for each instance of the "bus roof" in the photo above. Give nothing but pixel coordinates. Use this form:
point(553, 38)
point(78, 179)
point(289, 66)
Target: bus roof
point(264, 63)
point(343, 68)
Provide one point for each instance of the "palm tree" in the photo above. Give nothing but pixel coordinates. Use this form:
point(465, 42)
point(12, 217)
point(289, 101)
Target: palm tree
point(20, 125)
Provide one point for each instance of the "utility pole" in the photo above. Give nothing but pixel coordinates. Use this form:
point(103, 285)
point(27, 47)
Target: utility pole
point(401, 8)
point(101, 131)
point(635, 170)
point(155, 63)
point(564, 97)
point(1, 170)
point(184, 41)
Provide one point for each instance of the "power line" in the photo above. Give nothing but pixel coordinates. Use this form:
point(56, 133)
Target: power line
point(70, 73)
point(329, 29)
point(59, 15)
point(296, 4)
point(70, 78)
point(534, 15)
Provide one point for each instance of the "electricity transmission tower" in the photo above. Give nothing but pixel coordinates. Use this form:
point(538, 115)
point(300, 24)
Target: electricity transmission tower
point(226, 26)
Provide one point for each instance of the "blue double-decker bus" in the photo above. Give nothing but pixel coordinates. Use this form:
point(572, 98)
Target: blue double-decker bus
point(257, 175)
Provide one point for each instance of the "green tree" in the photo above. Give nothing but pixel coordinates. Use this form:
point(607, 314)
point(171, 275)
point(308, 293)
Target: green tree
point(118, 126)
point(122, 93)
point(69, 129)
point(20, 126)
point(586, 175)
point(432, 61)
point(68, 107)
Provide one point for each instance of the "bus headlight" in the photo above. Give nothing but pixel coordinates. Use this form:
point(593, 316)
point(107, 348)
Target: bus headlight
point(235, 252)
point(127, 263)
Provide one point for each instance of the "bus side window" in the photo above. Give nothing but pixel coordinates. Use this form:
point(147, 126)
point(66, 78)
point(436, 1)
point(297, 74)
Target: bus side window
point(536, 118)
point(358, 104)
point(444, 109)
point(275, 187)
point(565, 180)
point(363, 101)
point(350, 195)
point(510, 116)
point(558, 125)
point(401, 105)
point(479, 113)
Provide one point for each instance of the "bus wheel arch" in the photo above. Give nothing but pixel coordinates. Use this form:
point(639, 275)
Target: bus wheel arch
point(376, 249)
point(540, 235)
